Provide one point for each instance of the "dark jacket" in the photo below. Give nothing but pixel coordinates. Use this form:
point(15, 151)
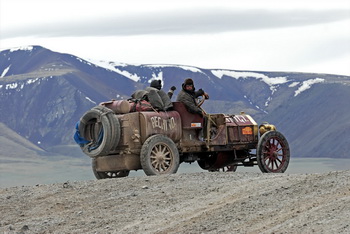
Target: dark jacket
point(159, 99)
point(189, 99)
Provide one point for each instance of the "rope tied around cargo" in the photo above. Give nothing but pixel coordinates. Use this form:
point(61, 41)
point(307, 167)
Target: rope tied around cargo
point(141, 105)
point(104, 114)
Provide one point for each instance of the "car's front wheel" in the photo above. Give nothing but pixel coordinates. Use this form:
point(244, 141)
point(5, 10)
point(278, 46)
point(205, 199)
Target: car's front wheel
point(273, 152)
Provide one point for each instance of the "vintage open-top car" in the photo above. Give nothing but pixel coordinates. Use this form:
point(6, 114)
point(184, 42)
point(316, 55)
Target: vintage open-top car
point(119, 138)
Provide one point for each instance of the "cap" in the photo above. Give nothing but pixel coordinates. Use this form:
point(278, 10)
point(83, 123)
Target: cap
point(188, 81)
point(156, 84)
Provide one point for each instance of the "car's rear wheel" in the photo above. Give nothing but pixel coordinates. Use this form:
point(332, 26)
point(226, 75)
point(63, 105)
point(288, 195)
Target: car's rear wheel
point(108, 174)
point(229, 168)
point(159, 155)
point(273, 152)
point(217, 162)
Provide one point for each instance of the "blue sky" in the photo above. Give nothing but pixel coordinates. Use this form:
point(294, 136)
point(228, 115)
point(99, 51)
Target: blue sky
point(300, 36)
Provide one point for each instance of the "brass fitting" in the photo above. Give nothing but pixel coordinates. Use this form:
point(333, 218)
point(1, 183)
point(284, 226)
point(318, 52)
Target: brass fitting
point(265, 127)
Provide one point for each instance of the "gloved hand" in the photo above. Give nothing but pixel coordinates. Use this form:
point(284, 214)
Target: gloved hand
point(206, 96)
point(173, 88)
point(200, 92)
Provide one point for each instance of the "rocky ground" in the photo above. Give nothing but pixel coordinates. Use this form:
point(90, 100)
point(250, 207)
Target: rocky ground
point(202, 202)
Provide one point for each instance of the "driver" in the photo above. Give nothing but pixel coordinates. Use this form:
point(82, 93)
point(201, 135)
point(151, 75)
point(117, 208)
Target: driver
point(188, 96)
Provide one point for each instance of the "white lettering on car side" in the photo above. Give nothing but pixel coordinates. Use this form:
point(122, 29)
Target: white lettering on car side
point(241, 118)
point(172, 123)
point(238, 118)
point(164, 124)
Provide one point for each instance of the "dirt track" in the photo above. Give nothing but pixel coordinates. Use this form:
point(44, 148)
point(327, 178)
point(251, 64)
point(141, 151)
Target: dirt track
point(183, 203)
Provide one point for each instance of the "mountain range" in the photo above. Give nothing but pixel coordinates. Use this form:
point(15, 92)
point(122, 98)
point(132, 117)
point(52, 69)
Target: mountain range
point(44, 93)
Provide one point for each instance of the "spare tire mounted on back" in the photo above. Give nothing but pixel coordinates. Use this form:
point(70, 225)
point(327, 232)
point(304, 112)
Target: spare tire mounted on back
point(101, 128)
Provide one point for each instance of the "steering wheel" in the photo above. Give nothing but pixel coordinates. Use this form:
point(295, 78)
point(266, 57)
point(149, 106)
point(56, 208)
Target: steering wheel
point(200, 100)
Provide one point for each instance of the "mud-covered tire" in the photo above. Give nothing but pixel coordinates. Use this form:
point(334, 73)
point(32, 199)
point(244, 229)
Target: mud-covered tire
point(101, 128)
point(114, 123)
point(273, 152)
point(159, 155)
point(108, 174)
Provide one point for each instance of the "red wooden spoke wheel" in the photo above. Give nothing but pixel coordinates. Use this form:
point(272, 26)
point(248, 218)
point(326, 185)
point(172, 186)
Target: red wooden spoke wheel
point(273, 152)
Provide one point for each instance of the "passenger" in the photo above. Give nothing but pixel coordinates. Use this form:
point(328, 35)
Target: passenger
point(188, 96)
point(157, 97)
point(158, 85)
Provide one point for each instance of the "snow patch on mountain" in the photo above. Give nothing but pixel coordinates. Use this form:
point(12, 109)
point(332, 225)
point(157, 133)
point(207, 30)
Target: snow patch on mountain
point(272, 82)
point(268, 101)
point(11, 86)
point(116, 67)
point(158, 76)
point(21, 84)
point(307, 85)
point(243, 75)
point(80, 60)
point(26, 48)
point(31, 81)
point(127, 74)
point(5, 71)
point(256, 106)
point(89, 99)
point(112, 66)
point(188, 68)
point(293, 84)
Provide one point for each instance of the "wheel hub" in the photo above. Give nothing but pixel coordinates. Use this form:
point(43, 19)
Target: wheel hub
point(274, 154)
point(160, 158)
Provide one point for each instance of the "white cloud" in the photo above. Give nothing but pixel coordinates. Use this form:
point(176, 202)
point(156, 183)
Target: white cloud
point(301, 36)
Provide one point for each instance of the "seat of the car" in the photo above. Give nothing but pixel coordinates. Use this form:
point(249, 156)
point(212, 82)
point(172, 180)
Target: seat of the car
point(189, 120)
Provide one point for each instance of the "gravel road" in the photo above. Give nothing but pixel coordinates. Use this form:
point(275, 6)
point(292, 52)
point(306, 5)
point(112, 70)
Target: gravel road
point(203, 202)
